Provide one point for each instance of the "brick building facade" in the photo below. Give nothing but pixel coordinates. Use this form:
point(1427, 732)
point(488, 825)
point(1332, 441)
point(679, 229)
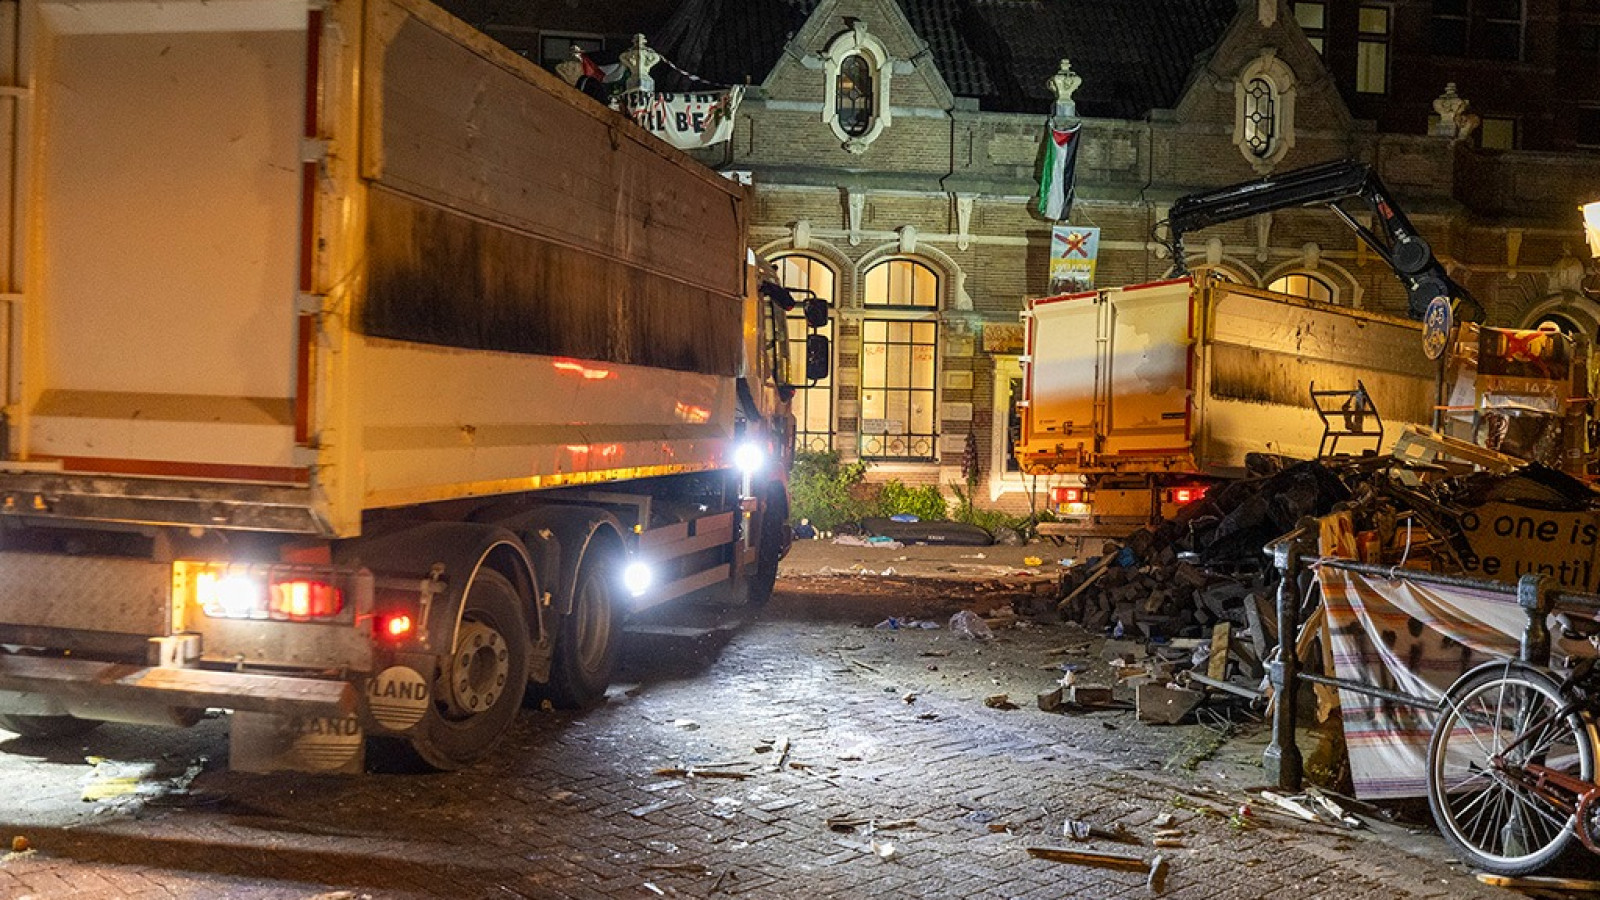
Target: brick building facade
point(894, 148)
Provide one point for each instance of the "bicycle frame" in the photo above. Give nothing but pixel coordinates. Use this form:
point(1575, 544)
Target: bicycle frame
point(1573, 797)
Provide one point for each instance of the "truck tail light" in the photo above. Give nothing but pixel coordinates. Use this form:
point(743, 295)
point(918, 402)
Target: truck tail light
point(302, 598)
point(1183, 495)
point(396, 626)
point(274, 593)
point(1069, 495)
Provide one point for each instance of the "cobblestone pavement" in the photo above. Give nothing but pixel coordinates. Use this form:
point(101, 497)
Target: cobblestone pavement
point(817, 713)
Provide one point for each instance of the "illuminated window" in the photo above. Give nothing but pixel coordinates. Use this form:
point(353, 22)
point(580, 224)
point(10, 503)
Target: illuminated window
point(897, 389)
point(1313, 20)
point(1497, 133)
point(902, 282)
point(898, 399)
point(1372, 50)
point(1300, 284)
point(813, 405)
point(1259, 120)
point(853, 96)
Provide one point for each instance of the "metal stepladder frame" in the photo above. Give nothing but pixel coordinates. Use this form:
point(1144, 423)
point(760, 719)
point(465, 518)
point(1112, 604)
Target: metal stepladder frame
point(1351, 414)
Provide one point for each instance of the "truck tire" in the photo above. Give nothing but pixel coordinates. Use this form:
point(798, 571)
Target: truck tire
point(479, 689)
point(47, 727)
point(589, 639)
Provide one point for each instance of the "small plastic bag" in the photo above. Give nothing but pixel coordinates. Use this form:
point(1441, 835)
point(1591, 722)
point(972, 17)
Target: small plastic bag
point(970, 625)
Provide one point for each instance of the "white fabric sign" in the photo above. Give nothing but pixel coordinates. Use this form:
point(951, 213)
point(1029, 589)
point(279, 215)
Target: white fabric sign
point(688, 120)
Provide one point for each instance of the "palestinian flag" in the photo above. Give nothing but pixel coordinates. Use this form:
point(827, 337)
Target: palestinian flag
point(1055, 182)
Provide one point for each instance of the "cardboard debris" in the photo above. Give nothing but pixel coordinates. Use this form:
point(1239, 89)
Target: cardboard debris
point(1161, 704)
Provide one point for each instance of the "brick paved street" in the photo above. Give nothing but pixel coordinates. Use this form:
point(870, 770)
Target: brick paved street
point(823, 716)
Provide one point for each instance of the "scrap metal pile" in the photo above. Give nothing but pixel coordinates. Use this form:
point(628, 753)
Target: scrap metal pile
point(1182, 576)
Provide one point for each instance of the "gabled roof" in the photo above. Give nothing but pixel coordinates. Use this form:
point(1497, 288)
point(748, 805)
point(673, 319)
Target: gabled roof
point(1133, 55)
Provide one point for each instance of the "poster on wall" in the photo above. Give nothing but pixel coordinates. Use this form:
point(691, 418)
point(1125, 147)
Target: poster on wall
point(1073, 251)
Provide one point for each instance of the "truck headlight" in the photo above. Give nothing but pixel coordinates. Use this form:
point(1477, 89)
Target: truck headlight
point(749, 458)
point(637, 578)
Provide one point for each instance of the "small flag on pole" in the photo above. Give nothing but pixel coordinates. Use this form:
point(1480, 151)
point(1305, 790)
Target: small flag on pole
point(1055, 182)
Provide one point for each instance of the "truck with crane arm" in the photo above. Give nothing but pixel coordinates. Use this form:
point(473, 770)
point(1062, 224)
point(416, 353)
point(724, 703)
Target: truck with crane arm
point(360, 378)
point(1137, 397)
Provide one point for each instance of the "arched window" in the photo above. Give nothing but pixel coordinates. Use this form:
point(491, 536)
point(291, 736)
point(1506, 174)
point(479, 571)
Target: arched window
point(1263, 127)
point(813, 404)
point(1260, 119)
point(853, 96)
point(856, 70)
point(902, 282)
point(1301, 284)
point(899, 355)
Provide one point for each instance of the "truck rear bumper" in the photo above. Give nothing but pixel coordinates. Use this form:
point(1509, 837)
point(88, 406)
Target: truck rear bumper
point(107, 685)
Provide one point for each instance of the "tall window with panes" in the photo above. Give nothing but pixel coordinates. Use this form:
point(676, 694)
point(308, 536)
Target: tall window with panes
point(1312, 17)
point(813, 404)
point(1372, 49)
point(899, 353)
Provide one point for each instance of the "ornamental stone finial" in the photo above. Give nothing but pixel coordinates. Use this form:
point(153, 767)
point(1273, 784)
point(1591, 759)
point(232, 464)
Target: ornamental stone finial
point(639, 60)
point(1452, 108)
point(1063, 84)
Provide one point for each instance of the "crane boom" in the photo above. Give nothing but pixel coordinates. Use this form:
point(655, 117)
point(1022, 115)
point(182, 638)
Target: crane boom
point(1393, 238)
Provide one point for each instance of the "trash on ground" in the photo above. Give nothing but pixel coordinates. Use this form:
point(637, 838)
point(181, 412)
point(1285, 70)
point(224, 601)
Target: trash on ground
point(970, 625)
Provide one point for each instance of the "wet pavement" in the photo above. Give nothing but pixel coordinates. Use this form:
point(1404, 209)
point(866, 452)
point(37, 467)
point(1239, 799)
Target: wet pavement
point(799, 752)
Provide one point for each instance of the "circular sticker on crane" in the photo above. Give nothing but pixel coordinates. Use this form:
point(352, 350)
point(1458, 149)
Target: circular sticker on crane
point(398, 697)
point(1436, 325)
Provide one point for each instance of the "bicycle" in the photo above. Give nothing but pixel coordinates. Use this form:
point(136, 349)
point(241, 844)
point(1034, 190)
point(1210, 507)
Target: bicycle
point(1511, 764)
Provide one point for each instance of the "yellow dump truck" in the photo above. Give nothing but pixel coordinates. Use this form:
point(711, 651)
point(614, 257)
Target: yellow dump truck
point(1139, 396)
point(360, 378)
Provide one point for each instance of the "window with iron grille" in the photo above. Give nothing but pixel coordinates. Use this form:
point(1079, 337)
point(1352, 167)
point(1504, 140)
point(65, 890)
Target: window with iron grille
point(853, 95)
point(897, 389)
point(1260, 124)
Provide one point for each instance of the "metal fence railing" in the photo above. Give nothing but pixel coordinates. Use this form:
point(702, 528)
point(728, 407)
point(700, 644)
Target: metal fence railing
point(1537, 594)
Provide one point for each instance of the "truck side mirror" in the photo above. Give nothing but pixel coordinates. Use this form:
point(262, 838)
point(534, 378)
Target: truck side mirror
point(818, 357)
point(816, 311)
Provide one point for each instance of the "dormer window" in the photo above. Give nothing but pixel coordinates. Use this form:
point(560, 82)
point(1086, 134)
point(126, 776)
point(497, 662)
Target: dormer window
point(1263, 128)
point(1259, 120)
point(857, 69)
point(853, 96)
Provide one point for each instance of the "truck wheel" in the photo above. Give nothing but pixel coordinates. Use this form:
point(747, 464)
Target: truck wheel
point(479, 688)
point(47, 727)
point(589, 641)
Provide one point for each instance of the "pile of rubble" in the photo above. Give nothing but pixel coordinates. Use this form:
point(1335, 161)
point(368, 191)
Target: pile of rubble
point(1185, 575)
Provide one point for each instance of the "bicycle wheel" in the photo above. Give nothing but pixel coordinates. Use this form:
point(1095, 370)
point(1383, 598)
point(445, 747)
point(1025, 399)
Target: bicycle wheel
point(1490, 820)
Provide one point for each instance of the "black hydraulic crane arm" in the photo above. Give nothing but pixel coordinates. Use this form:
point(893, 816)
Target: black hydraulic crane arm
point(1393, 238)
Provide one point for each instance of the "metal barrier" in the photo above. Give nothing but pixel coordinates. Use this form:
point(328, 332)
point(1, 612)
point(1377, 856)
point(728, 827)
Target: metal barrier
point(1535, 593)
